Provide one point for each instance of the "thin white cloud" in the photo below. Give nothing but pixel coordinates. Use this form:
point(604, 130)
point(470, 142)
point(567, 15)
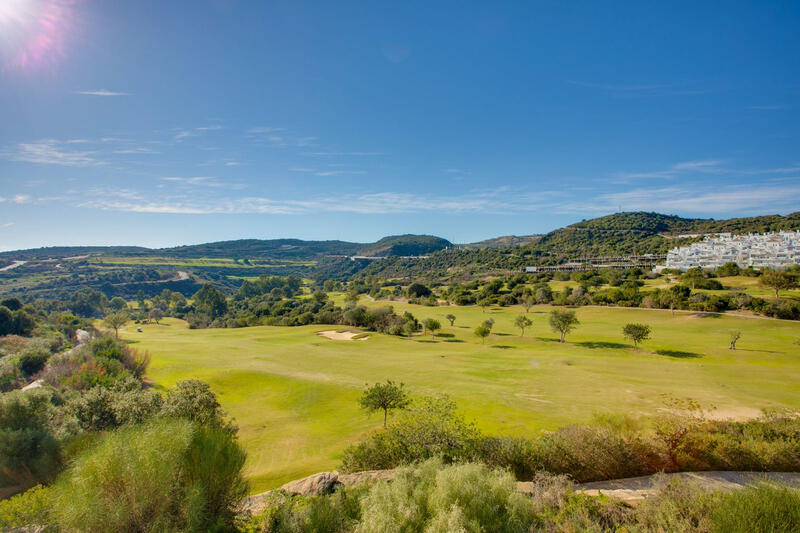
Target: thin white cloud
point(380, 203)
point(355, 154)
point(50, 152)
point(704, 166)
point(691, 200)
point(134, 151)
point(263, 129)
point(102, 92)
point(195, 132)
point(339, 172)
point(21, 199)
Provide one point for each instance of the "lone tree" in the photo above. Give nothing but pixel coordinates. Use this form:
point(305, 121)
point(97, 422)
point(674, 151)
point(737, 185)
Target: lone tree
point(483, 331)
point(155, 314)
point(484, 303)
point(116, 321)
point(637, 333)
point(778, 280)
point(563, 322)
point(528, 301)
point(735, 336)
point(431, 325)
point(384, 397)
point(523, 322)
point(452, 318)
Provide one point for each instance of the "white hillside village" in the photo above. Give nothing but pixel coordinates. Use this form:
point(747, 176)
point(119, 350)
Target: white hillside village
point(772, 250)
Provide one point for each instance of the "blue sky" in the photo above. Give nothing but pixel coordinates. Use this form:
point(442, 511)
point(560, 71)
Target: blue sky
point(161, 123)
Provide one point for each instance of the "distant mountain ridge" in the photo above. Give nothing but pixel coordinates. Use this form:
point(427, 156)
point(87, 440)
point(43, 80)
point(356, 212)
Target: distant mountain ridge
point(619, 233)
point(641, 232)
point(297, 249)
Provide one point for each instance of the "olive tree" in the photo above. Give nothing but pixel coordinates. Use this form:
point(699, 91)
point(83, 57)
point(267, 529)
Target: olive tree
point(778, 280)
point(483, 331)
point(431, 325)
point(116, 321)
point(451, 318)
point(637, 333)
point(522, 322)
point(563, 322)
point(735, 336)
point(384, 397)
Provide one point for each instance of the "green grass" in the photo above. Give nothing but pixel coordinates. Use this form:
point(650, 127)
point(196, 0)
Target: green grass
point(294, 394)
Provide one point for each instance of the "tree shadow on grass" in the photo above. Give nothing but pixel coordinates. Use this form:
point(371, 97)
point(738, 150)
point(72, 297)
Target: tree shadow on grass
point(445, 335)
point(706, 314)
point(679, 354)
point(502, 346)
point(453, 340)
point(595, 344)
point(503, 334)
point(428, 341)
point(546, 339)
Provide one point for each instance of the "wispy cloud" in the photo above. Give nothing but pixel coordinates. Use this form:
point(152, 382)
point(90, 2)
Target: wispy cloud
point(7, 225)
point(202, 181)
point(263, 129)
point(102, 92)
point(355, 154)
point(338, 172)
point(691, 200)
point(711, 166)
point(195, 132)
point(50, 152)
point(500, 201)
point(137, 150)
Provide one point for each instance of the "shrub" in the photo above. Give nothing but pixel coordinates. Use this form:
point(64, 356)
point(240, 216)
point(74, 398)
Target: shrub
point(166, 475)
point(590, 453)
point(430, 428)
point(194, 400)
point(760, 508)
point(28, 451)
point(678, 506)
point(30, 508)
point(436, 498)
point(32, 360)
point(334, 513)
point(102, 408)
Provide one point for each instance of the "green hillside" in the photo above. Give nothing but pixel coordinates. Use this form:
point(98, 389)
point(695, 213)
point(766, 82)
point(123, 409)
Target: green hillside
point(406, 245)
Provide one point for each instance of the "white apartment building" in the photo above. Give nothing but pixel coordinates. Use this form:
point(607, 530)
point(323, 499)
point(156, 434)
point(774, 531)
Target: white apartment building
point(771, 250)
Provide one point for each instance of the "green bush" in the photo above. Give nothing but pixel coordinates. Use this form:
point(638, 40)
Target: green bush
point(334, 513)
point(763, 508)
point(166, 475)
point(32, 507)
point(436, 498)
point(194, 400)
point(429, 428)
point(29, 453)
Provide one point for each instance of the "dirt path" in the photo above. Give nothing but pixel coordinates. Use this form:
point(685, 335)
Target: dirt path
point(635, 489)
point(15, 264)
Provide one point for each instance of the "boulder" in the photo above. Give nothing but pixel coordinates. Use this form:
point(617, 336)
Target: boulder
point(313, 485)
point(368, 476)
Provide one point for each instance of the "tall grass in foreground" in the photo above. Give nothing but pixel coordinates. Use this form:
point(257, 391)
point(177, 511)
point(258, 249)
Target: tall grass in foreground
point(435, 498)
point(166, 475)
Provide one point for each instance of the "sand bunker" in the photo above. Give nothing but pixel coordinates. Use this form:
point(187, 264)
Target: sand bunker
point(343, 335)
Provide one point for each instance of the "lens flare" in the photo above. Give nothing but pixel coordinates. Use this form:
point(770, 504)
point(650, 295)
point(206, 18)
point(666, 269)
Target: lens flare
point(33, 32)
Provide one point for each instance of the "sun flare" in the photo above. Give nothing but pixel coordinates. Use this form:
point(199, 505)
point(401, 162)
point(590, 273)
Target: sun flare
point(32, 32)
